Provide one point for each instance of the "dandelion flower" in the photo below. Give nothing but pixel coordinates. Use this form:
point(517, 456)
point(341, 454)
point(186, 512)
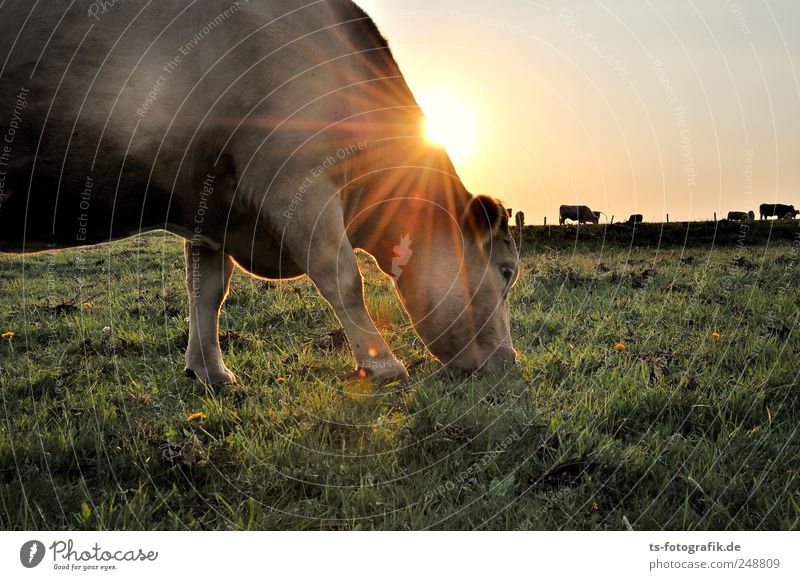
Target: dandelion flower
point(9, 335)
point(280, 380)
point(619, 347)
point(715, 335)
point(199, 416)
point(88, 305)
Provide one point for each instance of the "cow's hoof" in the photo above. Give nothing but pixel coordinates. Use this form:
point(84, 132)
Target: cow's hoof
point(216, 379)
point(387, 371)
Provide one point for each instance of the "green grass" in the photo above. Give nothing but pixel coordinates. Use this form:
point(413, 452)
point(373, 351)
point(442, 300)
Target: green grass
point(677, 431)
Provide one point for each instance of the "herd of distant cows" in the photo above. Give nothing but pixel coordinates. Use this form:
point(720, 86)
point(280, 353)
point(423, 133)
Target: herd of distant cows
point(582, 214)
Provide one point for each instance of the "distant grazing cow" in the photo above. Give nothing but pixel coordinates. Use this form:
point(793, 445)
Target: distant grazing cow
point(768, 210)
point(520, 219)
point(577, 213)
point(738, 216)
point(636, 218)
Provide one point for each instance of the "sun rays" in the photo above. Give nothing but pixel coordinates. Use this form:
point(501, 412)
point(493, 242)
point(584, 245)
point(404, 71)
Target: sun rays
point(450, 122)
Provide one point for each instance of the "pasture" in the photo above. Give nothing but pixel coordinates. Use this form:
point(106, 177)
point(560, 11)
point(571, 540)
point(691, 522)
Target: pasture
point(657, 388)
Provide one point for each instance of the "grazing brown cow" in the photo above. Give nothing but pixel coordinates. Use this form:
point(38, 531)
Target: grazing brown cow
point(278, 136)
point(577, 213)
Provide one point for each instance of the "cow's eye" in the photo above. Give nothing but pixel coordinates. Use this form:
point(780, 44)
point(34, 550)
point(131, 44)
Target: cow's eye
point(507, 272)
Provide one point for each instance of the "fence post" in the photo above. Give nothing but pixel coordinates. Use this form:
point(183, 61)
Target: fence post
point(612, 219)
point(545, 220)
point(667, 218)
point(715, 216)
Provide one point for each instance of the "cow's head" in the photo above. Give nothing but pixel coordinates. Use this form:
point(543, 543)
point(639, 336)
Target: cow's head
point(457, 288)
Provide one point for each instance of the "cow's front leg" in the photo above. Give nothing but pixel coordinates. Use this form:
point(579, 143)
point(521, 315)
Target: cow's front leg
point(208, 275)
point(335, 272)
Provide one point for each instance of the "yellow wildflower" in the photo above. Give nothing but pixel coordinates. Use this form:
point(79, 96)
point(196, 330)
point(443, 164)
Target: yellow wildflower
point(88, 305)
point(715, 335)
point(9, 335)
point(280, 380)
point(199, 416)
point(619, 347)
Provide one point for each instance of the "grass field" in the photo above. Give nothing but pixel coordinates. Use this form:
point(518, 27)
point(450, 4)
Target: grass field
point(692, 425)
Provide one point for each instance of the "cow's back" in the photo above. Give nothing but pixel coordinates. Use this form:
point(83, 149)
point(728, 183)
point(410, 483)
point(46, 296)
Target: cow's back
point(121, 114)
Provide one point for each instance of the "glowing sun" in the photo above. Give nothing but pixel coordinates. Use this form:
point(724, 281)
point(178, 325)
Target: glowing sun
point(450, 122)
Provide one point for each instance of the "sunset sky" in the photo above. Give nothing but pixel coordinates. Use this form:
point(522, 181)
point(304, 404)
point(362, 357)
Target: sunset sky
point(629, 106)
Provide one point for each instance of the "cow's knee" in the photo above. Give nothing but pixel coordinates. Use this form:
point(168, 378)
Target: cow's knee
point(342, 285)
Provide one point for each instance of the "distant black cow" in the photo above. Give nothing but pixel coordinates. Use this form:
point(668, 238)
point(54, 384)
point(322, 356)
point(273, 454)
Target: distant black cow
point(520, 219)
point(636, 218)
point(577, 213)
point(768, 210)
point(737, 216)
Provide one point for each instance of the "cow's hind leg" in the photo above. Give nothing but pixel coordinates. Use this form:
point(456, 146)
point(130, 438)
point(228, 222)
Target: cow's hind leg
point(208, 275)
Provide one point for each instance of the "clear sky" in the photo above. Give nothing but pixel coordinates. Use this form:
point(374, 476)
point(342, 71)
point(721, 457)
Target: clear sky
point(684, 107)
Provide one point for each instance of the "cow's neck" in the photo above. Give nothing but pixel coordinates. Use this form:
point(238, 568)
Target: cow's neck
point(405, 203)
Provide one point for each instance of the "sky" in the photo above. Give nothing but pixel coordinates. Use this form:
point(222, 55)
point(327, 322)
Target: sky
point(675, 107)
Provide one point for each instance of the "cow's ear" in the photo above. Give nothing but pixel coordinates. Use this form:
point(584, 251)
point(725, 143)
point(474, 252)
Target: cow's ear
point(483, 216)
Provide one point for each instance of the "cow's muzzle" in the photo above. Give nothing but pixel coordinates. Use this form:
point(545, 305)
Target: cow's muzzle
point(503, 357)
